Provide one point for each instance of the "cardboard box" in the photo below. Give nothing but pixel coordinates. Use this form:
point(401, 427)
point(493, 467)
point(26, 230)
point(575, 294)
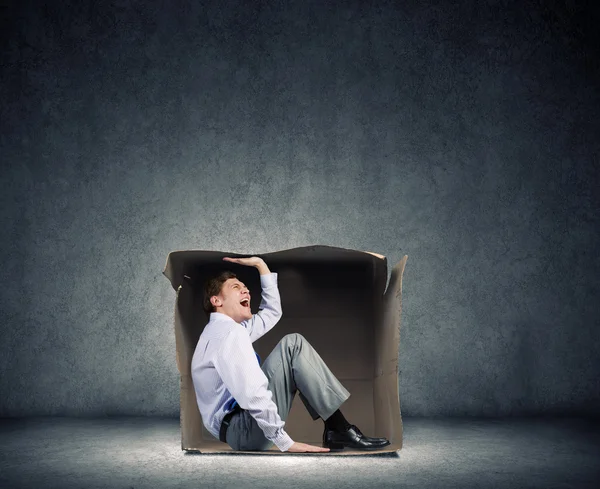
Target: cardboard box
point(336, 299)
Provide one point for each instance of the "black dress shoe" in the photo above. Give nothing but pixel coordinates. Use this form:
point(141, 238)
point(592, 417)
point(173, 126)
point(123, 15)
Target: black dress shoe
point(355, 428)
point(370, 438)
point(351, 438)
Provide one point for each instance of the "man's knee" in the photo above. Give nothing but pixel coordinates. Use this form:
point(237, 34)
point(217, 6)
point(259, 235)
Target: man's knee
point(293, 338)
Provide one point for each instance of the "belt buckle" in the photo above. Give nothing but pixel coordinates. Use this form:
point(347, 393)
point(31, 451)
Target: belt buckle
point(225, 425)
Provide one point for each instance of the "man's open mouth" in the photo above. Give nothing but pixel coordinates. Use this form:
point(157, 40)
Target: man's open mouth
point(245, 303)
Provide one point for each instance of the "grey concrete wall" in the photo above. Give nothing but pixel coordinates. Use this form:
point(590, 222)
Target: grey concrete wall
point(465, 136)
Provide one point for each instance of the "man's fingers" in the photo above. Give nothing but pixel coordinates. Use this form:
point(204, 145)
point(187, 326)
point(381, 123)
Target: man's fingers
point(305, 447)
point(313, 448)
point(253, 261)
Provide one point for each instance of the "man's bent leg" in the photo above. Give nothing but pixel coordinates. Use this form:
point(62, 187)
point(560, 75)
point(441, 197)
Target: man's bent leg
point(293, 365)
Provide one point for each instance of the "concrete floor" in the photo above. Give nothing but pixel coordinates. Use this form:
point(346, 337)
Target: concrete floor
point(438, 452)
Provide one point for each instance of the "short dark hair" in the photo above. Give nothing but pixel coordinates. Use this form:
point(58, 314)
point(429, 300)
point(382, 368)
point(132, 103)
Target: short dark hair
point(213, 286)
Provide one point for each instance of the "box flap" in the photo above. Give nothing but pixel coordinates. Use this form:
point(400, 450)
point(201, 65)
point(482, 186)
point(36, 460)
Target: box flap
point(183, 265)
point(386, 403)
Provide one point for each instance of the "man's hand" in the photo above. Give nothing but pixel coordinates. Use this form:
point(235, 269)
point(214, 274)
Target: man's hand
point(303, 447)
point(250, 262)
point(253, 261)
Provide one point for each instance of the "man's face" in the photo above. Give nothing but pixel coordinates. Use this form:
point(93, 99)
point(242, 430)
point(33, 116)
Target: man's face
point(229, 301)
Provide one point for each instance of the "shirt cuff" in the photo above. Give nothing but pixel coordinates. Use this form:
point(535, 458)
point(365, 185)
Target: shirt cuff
point(268, 279)
point(283, 441)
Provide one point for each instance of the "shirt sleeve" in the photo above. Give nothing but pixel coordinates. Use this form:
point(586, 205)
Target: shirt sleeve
point(269, 311)
point(238, 367)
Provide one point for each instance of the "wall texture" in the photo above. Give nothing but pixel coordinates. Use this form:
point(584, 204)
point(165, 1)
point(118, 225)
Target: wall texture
point(465, 136)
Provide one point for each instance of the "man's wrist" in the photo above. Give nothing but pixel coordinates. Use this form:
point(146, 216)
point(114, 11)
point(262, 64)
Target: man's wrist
point(263, 269)
point(283, 442)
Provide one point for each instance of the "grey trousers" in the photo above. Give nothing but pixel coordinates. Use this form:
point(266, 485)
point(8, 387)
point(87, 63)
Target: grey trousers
point(292, 366)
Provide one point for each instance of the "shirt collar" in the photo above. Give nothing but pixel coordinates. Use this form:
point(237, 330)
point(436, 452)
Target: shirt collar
point(219, 316)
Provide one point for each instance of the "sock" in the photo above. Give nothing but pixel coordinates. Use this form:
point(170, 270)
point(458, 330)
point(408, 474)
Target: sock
point(337, 422)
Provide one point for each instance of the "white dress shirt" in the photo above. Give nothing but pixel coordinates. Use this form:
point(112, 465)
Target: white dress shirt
point(224, 366)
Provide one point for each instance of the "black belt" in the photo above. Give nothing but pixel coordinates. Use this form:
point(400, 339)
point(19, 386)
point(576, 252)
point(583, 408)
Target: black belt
point(225, 422)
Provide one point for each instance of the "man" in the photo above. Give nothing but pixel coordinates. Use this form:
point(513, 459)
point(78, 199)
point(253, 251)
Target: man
point(244, 404)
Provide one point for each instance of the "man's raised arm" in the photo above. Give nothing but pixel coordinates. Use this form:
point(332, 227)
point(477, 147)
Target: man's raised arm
point(269, 311)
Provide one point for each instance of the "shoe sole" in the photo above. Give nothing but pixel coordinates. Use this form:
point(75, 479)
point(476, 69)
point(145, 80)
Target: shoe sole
point(339, 447)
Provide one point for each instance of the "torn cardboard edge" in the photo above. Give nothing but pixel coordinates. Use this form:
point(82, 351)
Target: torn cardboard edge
point(332, 296)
